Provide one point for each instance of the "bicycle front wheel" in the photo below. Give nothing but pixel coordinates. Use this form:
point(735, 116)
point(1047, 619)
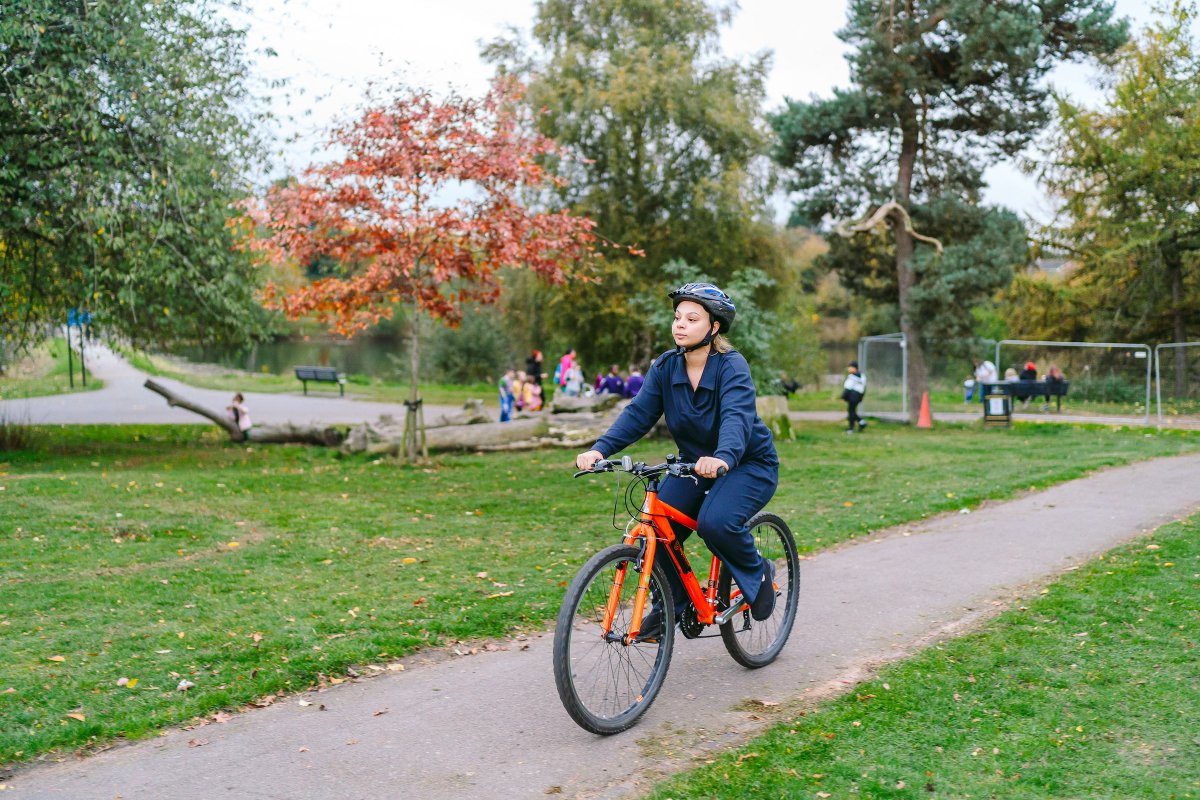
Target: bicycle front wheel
point(752, 643)
point(604, 683)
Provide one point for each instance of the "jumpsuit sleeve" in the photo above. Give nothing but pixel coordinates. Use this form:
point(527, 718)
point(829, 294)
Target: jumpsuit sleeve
point(738, 411)
point(638, 417)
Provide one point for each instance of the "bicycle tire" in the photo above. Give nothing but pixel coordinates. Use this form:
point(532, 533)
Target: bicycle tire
point(752, 643)
point(606, 686)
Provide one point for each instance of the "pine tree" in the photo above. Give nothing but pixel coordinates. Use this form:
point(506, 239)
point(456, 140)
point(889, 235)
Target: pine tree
point(939, 91)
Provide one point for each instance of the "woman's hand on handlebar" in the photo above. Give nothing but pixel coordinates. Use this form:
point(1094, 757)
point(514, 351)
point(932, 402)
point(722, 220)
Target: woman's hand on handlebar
point(588, 460)
point(707, 466)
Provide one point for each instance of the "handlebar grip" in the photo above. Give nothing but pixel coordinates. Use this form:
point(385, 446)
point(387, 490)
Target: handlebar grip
point(722, 472)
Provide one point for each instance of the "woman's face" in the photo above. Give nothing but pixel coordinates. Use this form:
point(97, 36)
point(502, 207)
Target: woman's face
point(691, 325)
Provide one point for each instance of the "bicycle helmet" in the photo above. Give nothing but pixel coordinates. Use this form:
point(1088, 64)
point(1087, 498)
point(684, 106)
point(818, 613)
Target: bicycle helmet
point(716, 302)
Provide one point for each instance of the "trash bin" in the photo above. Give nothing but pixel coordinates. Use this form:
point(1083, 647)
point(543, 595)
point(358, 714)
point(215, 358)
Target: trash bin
point(997, 408)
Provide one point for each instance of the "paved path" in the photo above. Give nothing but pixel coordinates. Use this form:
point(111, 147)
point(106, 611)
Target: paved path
point(490, 725)
point(124, 400)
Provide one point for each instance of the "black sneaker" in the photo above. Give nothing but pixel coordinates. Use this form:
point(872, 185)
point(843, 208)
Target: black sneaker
point(652, 625)
point(764, 602)
point(862, 426)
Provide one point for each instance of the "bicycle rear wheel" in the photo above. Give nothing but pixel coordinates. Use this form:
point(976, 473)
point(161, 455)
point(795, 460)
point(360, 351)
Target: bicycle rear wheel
point(752, 643)
point(605, 684)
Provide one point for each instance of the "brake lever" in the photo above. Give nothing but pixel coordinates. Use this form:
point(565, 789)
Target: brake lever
point(604, 466)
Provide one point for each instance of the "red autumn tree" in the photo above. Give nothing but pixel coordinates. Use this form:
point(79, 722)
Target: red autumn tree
point(426, 208)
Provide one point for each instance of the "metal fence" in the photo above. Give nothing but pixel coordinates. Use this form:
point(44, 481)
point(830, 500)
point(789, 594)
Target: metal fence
point(1110, 379)
point(1177, 382)
point(884, 361)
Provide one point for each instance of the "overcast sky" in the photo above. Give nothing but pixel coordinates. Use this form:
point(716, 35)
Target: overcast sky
point(328, 50)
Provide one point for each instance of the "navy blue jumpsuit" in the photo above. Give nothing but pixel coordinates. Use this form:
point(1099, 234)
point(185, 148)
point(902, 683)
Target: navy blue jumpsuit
point(718, 418)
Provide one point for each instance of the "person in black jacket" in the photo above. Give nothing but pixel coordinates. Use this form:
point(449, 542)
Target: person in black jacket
point(853, 389)
point(533, 367)
point(704, 391)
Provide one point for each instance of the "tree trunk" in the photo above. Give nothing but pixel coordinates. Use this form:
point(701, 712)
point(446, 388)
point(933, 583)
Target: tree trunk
point(414, 416)
point(288, 433)
point(384, 437)
point(918, 371)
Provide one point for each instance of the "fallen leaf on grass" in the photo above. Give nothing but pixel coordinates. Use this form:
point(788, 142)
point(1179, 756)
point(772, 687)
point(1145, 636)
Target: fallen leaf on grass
point(499, 594)
point(9, 690)
point(265, 700)
point(184, 685)
point(767, 703)
point(746, 756)
point(220, 717)
point(56, 658)
point(78, 717)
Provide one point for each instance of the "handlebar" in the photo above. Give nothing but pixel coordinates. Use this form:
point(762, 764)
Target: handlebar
point(680, 469)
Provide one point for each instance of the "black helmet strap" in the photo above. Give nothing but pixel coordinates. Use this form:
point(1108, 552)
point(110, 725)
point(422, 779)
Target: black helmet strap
point(707, 340)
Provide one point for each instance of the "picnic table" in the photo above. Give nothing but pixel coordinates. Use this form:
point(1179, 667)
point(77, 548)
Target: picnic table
point(1025, 390)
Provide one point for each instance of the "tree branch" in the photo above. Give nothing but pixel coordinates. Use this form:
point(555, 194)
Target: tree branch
point(893, 209)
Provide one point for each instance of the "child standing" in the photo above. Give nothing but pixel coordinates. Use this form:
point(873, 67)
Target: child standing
point(853, 389)
point(506, 395)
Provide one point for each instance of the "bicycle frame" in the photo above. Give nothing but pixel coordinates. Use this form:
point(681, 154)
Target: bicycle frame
point(654, 527)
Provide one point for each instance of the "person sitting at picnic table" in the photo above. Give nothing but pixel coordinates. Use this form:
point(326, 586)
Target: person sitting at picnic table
point(1054, 381)
point(1027, 374)
point(1010, 375)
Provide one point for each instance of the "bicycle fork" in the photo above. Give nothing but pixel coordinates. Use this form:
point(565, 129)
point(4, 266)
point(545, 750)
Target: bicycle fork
point(646, 560)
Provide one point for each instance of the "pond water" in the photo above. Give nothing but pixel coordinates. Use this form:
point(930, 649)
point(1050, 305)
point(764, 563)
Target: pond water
point(377, 358)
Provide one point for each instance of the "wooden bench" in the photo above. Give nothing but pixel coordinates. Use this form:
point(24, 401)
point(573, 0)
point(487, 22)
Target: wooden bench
point(1025, 390)
point(321, 375)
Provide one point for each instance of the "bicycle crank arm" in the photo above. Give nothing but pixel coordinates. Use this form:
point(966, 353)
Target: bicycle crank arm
point(730, 613)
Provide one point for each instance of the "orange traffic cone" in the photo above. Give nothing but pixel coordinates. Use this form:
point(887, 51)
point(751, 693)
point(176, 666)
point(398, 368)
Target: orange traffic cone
point(925, 420)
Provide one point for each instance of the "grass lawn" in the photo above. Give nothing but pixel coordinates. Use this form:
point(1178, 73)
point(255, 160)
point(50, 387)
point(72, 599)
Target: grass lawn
point(45, 372)
point(161, 554)
point(1090, 691)
point(212, 376)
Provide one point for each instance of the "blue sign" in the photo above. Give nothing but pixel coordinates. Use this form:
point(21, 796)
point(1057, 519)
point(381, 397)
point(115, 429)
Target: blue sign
point(77, 317)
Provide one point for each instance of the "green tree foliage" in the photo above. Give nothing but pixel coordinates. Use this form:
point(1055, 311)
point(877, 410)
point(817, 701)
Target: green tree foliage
point(939, 90)
point(1129, 178)
point(125, 135)
point(773, 342)
point(673, 145)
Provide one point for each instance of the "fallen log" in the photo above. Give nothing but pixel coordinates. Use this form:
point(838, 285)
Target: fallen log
point(287, 433)
point(385, 435)
point(473, 413)
point(597, 403)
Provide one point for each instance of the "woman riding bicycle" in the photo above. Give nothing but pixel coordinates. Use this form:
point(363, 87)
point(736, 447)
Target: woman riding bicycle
point(704, 390)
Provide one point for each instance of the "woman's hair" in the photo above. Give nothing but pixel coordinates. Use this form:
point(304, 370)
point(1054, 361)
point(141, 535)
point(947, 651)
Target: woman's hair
point(721, 344)
point(237, 398)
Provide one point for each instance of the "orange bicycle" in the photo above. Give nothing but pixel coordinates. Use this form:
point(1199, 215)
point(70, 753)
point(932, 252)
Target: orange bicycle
point(607, 673)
